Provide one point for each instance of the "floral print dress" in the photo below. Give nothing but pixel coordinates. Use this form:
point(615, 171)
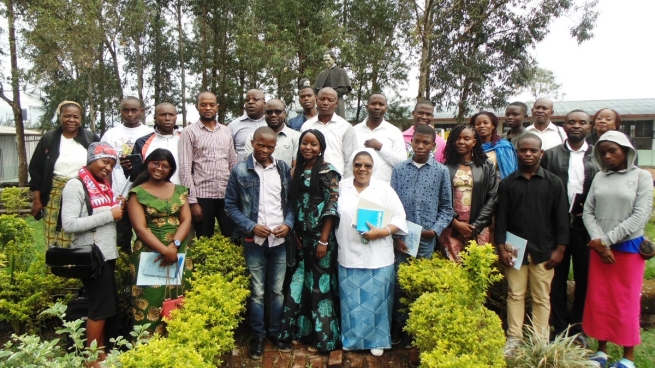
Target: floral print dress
point(311, 307)
point(162, 219)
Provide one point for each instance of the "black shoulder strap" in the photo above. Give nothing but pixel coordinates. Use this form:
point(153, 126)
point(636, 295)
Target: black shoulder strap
point(87, 198)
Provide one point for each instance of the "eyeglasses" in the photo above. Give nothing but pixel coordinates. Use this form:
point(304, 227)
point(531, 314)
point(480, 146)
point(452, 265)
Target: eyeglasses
point(358, 165)
point(157, 165)
point(254, 99)
point(276, 112)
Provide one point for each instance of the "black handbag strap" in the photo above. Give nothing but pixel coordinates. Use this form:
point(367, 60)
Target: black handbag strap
point(87, 199)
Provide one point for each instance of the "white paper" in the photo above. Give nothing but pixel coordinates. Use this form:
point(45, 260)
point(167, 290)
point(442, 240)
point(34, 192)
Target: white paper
point(150, 273)
point(413, 239)
point(517, 252)
point(365, 203)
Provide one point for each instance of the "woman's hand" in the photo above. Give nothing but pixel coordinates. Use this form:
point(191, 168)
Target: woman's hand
point(375, 232)
point(321, 250)
point(121, 200)
point(117, 212)
point(37, 206)
point(168, 256)
point(466, 230)
point(607, 256)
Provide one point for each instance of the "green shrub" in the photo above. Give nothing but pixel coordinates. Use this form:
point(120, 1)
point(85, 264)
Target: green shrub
point(15, 199)
point(447, 317)
point(218, 255)
point(162, 353)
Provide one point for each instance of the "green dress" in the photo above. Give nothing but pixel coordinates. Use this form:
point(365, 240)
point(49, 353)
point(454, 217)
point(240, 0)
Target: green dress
point(162, 219)
point(311, 306)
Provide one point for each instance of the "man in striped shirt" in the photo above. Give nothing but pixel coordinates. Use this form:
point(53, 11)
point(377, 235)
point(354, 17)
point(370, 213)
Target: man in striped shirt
point(245, 125)
point(207, 157)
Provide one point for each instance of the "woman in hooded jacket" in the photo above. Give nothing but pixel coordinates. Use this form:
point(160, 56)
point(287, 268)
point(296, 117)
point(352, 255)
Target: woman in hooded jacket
point(618, 207)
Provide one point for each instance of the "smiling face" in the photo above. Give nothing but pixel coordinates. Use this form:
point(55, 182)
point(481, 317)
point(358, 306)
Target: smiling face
point(101, 168)
point(484, 126)
point(310, 147)
point(465, 142)
point(605, 121)
point(363, 168)
point(577, 126)
point(275, 114)
point(70, 118)
point(159, 169)
point(613, 155)
point(422, 114)
point(263, 146)
point(255, 104)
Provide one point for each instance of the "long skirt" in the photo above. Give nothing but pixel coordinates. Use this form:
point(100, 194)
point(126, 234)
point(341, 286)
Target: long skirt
point(366, 307)
point(612, 307)
point(311, 305)
point(51, 215)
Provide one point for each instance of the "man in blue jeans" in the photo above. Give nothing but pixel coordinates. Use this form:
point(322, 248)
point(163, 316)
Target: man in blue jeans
point(256, 200)
point(423, 186)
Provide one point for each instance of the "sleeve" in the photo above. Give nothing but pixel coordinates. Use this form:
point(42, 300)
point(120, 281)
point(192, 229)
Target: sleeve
point(589, 213)
point(438, 153)
point(560, 212)
point(445, 210)
point(290, 218)
point(398, 217)
point(349, 144)
point(248, 148)
point(233, 205)
point(37, 165)
point(329, 180)
point(396, 153)
point(641, 211)
point(185, 152)
point(296, 145)
point(486, 212)
point(502, 214)
point(73, 203)
point(232, 156)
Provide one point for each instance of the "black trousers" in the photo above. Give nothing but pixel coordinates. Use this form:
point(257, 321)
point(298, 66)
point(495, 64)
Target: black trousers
point(124, 234)
point(578, 252)
point(213, 209)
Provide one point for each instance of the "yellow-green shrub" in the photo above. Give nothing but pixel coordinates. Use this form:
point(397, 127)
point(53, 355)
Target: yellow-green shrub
point(451, 326)
point(218, 255)
point(162, 353)
point(15, 198)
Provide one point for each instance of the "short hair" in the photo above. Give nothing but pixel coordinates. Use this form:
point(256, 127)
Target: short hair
point(376, 94)
point(331, 53)
point(574, 111)
point(204, 92)
point(423, 102)
point(425, 129)
point(131, 98)
point(305, 83)
point(264, 131)
point(528, 135)
point(520, 104)
point(617, 117)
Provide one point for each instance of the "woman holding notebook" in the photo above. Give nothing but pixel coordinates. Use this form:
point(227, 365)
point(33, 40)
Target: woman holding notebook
point(161, 218)
point(366, 260)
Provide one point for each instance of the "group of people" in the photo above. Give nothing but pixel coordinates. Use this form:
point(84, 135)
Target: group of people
point(291, 199)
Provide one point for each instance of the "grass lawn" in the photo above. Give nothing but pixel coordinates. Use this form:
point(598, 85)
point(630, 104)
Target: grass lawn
point(649, 274)
point(644, 353)
point(37, 232)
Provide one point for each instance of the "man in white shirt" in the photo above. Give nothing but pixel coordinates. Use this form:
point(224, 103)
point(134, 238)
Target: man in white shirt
point(288, 139)
point(246, 124)
point(551, 135)
point(123, 137)
point(339, 134)
point(165, 136)
point(380, 135)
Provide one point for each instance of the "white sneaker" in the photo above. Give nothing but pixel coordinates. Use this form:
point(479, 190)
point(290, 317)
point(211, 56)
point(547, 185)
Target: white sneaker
point(377, 352)
point(511, 345)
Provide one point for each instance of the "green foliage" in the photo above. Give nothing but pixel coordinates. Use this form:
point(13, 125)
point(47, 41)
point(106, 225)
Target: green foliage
point(218, 255)
point(644, 352)
point(162, 353)
point(537, 351)
point(447, 316)
point(16, 242)
point(15, 199)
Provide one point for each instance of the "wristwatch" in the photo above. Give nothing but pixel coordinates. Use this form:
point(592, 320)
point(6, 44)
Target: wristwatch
point(177, 243)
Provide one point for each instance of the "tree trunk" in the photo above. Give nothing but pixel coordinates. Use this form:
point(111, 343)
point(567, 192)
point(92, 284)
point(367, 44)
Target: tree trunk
point(92, 108)
point(114, 59)
point(424, 67)
point(15, 104)
point(359, 100)
point(139, 67)
point(182, 68)
point(203, 47)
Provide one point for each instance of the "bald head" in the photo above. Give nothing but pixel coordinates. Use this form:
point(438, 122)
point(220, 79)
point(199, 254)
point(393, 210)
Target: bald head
point(542, 109)
point(207, 95)
point(327, 102)
point(276, 114)
point(255, 101)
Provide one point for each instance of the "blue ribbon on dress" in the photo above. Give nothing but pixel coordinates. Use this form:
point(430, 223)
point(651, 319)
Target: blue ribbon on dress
point(505, 156)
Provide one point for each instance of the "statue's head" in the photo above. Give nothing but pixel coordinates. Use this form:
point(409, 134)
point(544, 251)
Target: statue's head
point(329, 58)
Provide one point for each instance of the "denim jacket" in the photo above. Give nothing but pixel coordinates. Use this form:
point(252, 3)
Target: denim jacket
point(242, 195)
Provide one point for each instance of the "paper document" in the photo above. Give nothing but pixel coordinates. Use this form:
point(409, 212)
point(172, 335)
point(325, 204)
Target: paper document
point(517, 249)
point(366, 204)
point(413, 239)
point(151, 273)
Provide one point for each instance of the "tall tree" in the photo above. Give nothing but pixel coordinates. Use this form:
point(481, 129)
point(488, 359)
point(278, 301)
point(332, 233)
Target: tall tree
point(14, 102)
point(476, 53)
point(542, 83)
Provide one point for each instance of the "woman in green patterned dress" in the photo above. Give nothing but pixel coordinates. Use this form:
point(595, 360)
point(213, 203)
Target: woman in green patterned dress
point(160, 215)
point(311, 307)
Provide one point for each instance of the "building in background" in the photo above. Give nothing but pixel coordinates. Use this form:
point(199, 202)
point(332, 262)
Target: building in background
point(9, 152)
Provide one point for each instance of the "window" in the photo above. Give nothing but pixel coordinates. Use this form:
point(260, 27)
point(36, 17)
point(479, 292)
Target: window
point(641, 131)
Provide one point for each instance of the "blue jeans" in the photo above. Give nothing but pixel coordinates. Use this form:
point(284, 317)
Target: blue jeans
point(265, 262)
point(425, 250)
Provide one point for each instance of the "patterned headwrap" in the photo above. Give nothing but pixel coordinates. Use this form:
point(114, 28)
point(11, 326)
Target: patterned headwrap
point(98, 150)
point(58, 111)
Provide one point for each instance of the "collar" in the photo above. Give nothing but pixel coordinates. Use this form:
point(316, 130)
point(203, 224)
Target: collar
point(167, 136)
point(382, 125)
point(285, 130)
point(584, 147)
point(540, 172)
point(550, 126)
point(250, 162)
point(246, 117)
point(202, 126)
point(430, 161)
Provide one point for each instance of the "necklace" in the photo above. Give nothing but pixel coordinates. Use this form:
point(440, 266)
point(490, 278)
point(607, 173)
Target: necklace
point(466, 163)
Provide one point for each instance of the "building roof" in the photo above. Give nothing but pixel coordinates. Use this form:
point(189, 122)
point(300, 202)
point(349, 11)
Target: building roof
point(629, 107)
point(10, 130)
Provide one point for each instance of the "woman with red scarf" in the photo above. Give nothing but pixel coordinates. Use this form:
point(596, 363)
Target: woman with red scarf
point(98, 228)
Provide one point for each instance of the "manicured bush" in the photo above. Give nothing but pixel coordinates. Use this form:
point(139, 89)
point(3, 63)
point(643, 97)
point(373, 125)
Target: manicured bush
point(15, 199)
point(218, 255)
point(447, 318)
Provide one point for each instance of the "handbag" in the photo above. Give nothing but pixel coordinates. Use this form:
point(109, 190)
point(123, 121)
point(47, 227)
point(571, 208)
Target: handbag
point(79, 262)
point(291, 248)
point(169, 305)
point(647, 249)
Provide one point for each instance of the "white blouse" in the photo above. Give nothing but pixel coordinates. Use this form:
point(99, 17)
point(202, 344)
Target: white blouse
point(376, 253)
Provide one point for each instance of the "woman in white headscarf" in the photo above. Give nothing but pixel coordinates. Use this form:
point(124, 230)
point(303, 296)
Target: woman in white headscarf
point(366, 260)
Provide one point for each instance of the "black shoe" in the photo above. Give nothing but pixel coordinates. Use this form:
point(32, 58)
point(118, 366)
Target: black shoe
point(406, 341)
point(396, 334)
point(282, 346)
point(256, 347)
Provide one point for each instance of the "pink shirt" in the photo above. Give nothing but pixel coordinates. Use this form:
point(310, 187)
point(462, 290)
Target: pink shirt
point(438, 152)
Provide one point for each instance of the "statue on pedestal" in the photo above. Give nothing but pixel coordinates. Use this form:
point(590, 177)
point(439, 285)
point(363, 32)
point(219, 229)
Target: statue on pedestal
point(335, 77)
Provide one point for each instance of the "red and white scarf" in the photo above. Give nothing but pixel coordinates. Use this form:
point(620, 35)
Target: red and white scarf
point(99, 193)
